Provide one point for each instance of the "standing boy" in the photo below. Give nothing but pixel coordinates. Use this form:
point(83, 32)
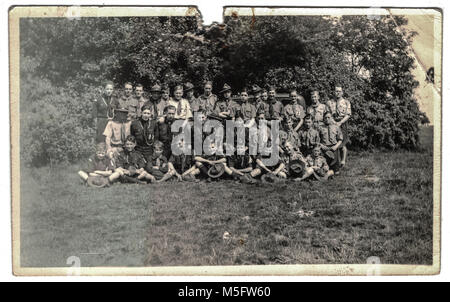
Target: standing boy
point(317, 109)
point(116, 132)
point(208, 99)
point(103, 111)
point(275, 106)
point(183, 109)
point(127, 102)
point(331, 139)
point(145, 130)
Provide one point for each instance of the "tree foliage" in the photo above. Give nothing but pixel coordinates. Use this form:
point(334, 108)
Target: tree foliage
point(64, 63)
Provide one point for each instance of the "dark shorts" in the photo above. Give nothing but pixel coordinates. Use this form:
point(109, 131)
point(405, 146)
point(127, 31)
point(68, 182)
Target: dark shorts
point(344, 130)
point(101, 125)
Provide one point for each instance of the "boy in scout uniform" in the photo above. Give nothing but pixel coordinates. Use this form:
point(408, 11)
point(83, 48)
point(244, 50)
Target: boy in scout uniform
point(183, 109)
point(157, 164)
point(259, 103)
point(164, 132)
point(331, 139)
point(294, 112)
point(194, 103)
point(240, 165)
point(317, 166)
point(309, 136)
point(156, 102)
point(103, 111)
point(226, 108)
point(247, 110)
point(100, 164)
point(116, 131)
point(129, 164)
point(127, 102)
point(208, 99)
point(300, 100)
point(182, 166)
point(275, 106)
point(317, 109)
point(341, 110)
point(139, 93)
point(207, 162)
point(145, 130)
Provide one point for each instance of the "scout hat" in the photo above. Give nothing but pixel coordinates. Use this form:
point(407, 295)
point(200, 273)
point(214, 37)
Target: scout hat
point(256, 89)
point(97, 181)
point(216, 170)
point(120, 115)
point(297, 166)
point(226, 87)
point(270, 178)
point(155, 88)
point(188, 86)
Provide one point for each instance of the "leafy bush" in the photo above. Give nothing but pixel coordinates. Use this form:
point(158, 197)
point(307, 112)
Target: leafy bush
point(65, 61)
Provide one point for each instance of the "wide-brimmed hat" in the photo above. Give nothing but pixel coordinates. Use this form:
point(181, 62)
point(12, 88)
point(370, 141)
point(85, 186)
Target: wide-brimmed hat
point(97, 181)
point(297, 166)
point(216, 170)
point(226, 87)
point(256, 89)
point(155, 88)
point(120, 115)
point(188, 86)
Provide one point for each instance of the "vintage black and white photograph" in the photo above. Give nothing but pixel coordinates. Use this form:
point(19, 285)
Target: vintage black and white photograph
point(282, 140)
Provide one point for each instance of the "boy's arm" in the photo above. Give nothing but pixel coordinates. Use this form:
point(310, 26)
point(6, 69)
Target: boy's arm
point(103, 173)
point(219, 161)
point(202, 160)
point(260, 164)
point(190, 170)
point(279, 169)
point(300, 123)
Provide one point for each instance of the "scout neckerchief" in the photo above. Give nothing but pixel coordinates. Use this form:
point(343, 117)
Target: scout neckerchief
point(179, 107)
point(147, 136)
point(122, 133)
point(271, 110)
point(109, 112)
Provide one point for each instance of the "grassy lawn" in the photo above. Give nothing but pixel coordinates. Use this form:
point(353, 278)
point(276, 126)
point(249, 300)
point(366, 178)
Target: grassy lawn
point(381, 205)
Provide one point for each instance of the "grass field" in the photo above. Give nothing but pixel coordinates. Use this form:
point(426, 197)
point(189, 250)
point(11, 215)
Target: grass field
point(381, 205)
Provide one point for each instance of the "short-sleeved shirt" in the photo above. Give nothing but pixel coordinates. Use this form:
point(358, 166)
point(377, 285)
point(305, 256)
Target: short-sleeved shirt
point(239, 161)
point(182, 108)
point(294, 112)
point(339, 108)
point(181, 162)
point(330, 135)
point(309, 138)
point(248, 111)
point(145, 133)
point(223, 106)
point(127, 159)
point(95, 164)
point(208, 102)
point(129, 103)
point(262, 106)
point(195, 104)
point(317, 111)
point(275, 110)
point(117, 132)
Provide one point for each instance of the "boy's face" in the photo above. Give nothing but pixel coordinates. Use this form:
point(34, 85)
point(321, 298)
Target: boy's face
point(244, 96)
point(129, 146)
point(100, 154)
point(272, 94)
point(315, 97)
point(170, 115)
point(146, 114)
point(109, 90)
point(139, 91)
point(190, 93)
point(338, 92)
point(165, 95)
point(328, 119)
point(293, 95)
point(257, 95)
point(308, 123)
point(208, 90)
point(158, 151)
point(178, 94)
point(264, 96)
point(316, 152)
point(155, 95)
point(227, 94)
point(128, 90)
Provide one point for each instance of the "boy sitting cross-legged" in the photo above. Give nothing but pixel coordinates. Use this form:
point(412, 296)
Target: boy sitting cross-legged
point(240, 165)
point(212, 162)
point(99, 165)
point(130, 164)
point(317, 166)
point(157, 164)
point(182, 166)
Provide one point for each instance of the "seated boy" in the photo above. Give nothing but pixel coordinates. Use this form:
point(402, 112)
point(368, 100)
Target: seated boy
point(129, 164)
point(206, 162)
point(98, 165)
point(182, 166)
point(240, 165)
point(317, 166)
point(157, 164)
point(278, 165)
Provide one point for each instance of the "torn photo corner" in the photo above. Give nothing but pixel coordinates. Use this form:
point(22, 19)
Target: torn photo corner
point(277, 141)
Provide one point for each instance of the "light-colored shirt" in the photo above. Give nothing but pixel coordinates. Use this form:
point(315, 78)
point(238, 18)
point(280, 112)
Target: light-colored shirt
point(117, 132)
point(182, 108)
point(317, 111)
point(340, 108)
point(330, 135)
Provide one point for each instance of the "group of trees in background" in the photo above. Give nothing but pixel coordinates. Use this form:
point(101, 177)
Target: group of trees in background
point(65, 62)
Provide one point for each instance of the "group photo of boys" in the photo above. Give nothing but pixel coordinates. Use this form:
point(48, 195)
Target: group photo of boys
point(134, 135)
